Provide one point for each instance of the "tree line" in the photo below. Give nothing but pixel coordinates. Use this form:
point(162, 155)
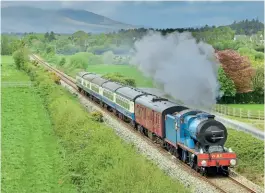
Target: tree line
point(221, 38)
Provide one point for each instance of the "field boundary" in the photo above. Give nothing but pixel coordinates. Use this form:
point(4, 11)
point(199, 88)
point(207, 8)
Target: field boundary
point(240, 126)
point(239, 112)
point(16, 84)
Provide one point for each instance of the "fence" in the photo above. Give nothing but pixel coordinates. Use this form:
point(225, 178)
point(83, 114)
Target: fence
point(239, 112)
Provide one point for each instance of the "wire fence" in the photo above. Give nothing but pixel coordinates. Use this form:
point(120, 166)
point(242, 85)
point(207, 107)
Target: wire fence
point(239, 112)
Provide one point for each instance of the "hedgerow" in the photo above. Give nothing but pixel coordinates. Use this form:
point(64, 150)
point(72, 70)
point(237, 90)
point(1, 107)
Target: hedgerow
point(117, 77)
point(98, 160)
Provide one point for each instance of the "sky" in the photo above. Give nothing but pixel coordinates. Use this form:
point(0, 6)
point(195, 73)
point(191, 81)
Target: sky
point(161, 14)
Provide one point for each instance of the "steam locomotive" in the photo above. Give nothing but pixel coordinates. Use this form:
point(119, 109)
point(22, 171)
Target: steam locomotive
point(193, 136)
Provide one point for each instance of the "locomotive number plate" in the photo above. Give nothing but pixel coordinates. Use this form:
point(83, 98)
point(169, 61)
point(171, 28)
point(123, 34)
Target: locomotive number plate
point(217, 156)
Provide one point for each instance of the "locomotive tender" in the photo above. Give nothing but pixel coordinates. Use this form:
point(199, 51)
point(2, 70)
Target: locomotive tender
point(193, 136)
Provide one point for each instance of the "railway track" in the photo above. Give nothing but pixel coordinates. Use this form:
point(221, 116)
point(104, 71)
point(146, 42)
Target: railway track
point(222, 184)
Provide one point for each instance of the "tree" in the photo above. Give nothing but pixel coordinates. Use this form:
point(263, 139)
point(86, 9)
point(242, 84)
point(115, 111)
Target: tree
point(238, 68)
point(50, 50)
point(46, 36)
point(227, 85)
point(62, 61)
point(258, 80)
point(52, 36)
point(5, 47)
point(20, 57)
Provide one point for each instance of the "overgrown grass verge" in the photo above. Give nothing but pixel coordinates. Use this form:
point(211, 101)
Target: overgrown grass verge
point(98, 160)
point(30, 152)
point(250, 153)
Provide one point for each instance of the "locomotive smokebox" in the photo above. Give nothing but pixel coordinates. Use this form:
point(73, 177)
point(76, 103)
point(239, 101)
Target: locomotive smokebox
point(211, 132)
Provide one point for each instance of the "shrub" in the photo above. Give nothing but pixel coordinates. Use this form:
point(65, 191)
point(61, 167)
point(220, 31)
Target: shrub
point(62, 61)
point(55, 78)
point(78, 61)
point(97, 116)
point(117, 77)
point(21, 58)
point(259, 56)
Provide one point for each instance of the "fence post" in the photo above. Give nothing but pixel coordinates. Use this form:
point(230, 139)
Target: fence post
point(248, 114)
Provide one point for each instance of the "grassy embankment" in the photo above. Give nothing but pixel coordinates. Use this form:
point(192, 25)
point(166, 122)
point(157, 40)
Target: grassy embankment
point(93, 158)
point(250, 154)
point(30, 153)
point(243, 144)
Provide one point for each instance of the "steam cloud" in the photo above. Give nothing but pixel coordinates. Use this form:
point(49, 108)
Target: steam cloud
point(184, 69)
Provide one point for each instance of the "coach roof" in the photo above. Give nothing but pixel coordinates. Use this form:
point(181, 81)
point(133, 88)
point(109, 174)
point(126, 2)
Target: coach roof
point(156, 103)
point(90, 76)
point(81, 74)
point(99, 81)
point(130, 93)
point(113, 86)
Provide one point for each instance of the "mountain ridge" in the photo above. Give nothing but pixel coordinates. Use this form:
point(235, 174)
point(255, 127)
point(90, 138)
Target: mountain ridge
point(30, 19)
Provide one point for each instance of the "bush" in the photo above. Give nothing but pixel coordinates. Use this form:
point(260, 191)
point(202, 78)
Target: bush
point(79, 61)
point(62, 61)
point(117, 77)
point(97, 116)
point(55, 78)
point(259, 56)
point(21, 58)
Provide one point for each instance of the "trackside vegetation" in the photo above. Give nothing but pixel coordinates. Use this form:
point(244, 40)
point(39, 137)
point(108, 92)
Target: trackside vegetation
point(97, 159)
point(250, 154)
point(30, 152)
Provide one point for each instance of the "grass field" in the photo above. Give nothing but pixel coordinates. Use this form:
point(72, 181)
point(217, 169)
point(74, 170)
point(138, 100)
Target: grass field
point(30, 153)
point(259, 107)
point(250, 154)
point(9, 73)
point(126, 70)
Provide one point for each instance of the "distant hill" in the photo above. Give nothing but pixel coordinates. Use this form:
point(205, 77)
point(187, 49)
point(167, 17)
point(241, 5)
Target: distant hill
point(247, 27)
point(30, 19)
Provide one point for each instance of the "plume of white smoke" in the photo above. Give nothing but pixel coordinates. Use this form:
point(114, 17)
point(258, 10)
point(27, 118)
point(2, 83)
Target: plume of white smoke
point(108, 57)
point(186, 70)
